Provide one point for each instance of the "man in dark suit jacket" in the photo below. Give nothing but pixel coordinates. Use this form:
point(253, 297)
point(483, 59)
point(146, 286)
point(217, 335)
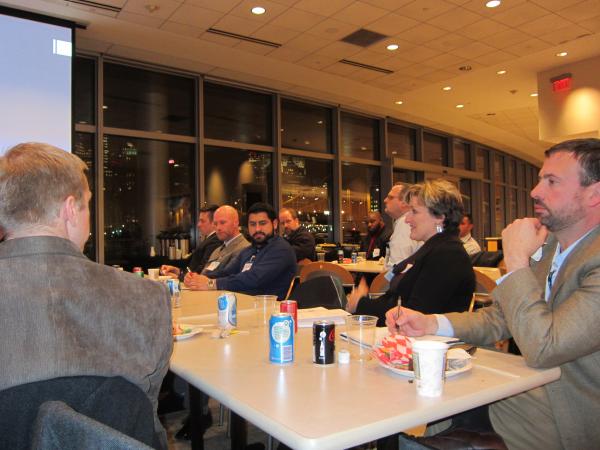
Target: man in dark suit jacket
point(197, 260)
point(378, 235)
point(301, 240)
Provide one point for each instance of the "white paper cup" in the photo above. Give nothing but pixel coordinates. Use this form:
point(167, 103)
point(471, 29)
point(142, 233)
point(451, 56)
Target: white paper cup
point(429, 362)
point(153, 274)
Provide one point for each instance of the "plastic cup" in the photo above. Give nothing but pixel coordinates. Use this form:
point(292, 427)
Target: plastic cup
point(320, 256)
point(264, 306)
point(362, 256)
point(153, 274)
point(360, 330)
point(429, 362)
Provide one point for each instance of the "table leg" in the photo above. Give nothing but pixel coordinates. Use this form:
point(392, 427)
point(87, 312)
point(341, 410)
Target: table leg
point(197, 427)
point(239, 432)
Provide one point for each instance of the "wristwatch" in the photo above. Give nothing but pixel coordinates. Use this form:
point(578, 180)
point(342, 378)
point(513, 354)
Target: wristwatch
point(212, 285)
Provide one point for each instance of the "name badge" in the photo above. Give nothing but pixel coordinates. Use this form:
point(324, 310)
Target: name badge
point(247, 266)
point(213, 265)
point(389, 275)
point(376, 253)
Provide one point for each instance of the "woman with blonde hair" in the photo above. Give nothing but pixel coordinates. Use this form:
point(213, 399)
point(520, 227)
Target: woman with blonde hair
point(437, 278)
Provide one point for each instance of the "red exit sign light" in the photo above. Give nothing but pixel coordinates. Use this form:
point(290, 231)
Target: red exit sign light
point(561, 82)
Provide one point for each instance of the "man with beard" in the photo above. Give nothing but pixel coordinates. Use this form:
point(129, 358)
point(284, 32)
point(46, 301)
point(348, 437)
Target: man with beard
point(301, 240)
point(549, 302)
point(377, 237)
point(266, 267)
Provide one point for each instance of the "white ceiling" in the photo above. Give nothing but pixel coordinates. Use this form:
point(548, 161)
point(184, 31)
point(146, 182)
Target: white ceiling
point(435, 38)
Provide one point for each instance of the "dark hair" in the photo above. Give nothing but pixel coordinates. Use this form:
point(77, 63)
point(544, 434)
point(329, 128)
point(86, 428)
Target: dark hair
point(262, 207)
point(210, 209)
point(469, 217)
point(587, 153)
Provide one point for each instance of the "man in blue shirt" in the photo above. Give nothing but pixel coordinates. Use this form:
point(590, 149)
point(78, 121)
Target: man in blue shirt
point(266, 267)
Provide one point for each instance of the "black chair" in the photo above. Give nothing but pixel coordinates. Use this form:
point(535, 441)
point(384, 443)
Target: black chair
point(487, 259)
point(114, 402)
point(59, 427)
point(326, 291)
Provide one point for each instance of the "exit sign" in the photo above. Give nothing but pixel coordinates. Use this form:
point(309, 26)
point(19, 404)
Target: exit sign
point(561, 82)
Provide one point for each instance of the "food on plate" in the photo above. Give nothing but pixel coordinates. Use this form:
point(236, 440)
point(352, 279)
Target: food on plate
point(178, 329)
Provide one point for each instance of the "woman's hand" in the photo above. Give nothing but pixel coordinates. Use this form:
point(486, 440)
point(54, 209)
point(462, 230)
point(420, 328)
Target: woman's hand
point(357, 293)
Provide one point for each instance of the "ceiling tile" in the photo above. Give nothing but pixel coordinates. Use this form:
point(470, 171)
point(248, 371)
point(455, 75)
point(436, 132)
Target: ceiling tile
point(288, 54)
point(381, 46)
point(370, 57)
point(416, 70)
point(445, 60)
point(438, 75)
point(473, 50)
point(449, 42)
point(147, 21)
point(520, 14)
point(365, 75)
point(195, 16)
point(244, 10)
point(360, 14)
point(423, 10)
point(332, 29)
point(479, 7)
point(317, 61)
point(181, 29)
point(275, 33)
point(93, 45)
point(592, 24)
point(581, 11)
point(165, 8)
point(307, 43)
point(339, 50)
point(396, 63)
point(564, 35)
point(390, 5)
point(506, 38)
point(455, 19)
point(324, 8)
point(341, 69)
point(494, 58)
point(251, 47)
point(296, 19)
point(528, 47)
point(421, 34)
point(482, 28)
point(390, 80)
point(220, 5)
point(545, 24)
point(554, 5)
point(221, 40)
point(392, 24)
point(418, 54)
point(237, 25)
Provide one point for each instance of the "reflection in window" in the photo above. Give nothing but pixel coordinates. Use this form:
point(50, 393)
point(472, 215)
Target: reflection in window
point(84, 82)
point(401, 142)
point(148, 196)
point(465, 192)
point(360, 136)
point(140, 99)
point(483, 163)
point(435, 149)
point(360, 195)
point(462, 155)
point(499, 208)
point(83, 146)
point(233, 114)
point(499, 168)
point(512, 205)
point(406, 176)
point(307, 187)
point(486, 210)
point(238, 178)
point(305, 126)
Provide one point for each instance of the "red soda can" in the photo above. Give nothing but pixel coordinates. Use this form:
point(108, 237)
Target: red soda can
point(138, 271)
point(290, 307)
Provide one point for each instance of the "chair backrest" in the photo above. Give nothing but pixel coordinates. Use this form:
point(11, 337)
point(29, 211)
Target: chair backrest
point(320, 268)
point(324, 291)
point(484, 286)
point(59, 427)
point(379, 284)
point(114, 402)
point(487, 259)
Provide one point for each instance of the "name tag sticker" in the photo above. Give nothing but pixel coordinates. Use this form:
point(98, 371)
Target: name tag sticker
point(376, 253)
point(389, 275)
point(247, 266)
point(213, 265)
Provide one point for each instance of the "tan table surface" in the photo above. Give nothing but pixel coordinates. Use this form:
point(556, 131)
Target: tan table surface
point(364, 266)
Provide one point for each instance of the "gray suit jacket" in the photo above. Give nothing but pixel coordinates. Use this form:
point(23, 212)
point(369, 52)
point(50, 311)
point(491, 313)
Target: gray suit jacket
point(563, 332)
point(224, 255)
point(64, 315)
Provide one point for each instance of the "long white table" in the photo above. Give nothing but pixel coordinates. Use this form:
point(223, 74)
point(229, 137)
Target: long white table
point(307, 406)
point(364, 267)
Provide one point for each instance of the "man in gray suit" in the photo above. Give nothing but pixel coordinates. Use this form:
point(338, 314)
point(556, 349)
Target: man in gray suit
point(549, 302)
point(61, 314)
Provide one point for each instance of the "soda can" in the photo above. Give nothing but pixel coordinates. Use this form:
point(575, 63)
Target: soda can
point(323, 342)
point(281, 338)
point(340, 254)
point(290, 307)
point(138, 271)
point(354, 257)
point(227, 310)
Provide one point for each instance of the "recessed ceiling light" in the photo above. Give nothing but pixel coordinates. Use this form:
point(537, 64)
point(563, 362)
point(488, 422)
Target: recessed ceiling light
point(447, 88)
point(501, 72)
point(258, 10)
point(492, 3)
point(460, 106)
point(392, 47)
point(562, 54)
point(398, 102)
point(465, 68)
point(533, 94)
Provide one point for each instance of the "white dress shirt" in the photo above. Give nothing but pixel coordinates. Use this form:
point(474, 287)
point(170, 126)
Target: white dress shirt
point(401, 246)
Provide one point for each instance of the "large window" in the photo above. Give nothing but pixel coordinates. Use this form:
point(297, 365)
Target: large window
point(84, 80)
point(360, 195)
point(401, 141)
point(360, 136)
point(233, 114)
point(305, 126)
point(148, 197)
point(435, 149)
point(462, 155)
point(83, 146)
point(307, 187)
point(238, 178)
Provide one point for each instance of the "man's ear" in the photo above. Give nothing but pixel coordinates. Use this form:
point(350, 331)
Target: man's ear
point(275, 224)
point(68, 210)
point(594, 194)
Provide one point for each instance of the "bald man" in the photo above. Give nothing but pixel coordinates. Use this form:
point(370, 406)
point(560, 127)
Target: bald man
point(378, 235)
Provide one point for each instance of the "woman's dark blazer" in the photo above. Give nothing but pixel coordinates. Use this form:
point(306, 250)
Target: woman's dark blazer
point(440, 280)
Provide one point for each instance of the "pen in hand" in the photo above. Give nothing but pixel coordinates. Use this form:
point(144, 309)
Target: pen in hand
point(399, 311)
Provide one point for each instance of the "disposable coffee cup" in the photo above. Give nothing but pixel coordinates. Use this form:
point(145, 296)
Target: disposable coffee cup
point(153, 274)
point(429, 362)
